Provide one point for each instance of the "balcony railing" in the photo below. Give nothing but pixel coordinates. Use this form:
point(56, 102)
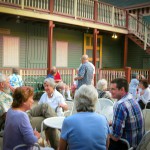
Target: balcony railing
point(89, 10)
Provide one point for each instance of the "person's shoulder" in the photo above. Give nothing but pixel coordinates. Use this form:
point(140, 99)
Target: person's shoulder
point(43, 95)
point(56, 93)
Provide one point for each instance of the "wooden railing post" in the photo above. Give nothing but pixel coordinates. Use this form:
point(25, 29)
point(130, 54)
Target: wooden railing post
point(127, 20)
point(113, 14)
point(145, 41)
point(95, 10)
point(75, 9)
point(51, 6)
point(128, 73)
point(22, 4)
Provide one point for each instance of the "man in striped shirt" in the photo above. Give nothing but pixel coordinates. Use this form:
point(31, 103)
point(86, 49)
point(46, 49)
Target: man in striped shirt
point(128, 119)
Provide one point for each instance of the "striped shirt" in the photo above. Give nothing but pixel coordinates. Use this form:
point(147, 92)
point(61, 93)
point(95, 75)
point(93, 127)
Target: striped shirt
point(128, 121)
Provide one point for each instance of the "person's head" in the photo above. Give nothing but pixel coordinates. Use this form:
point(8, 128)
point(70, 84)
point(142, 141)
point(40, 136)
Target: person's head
point(85, 98)
point(60, 87)
point(49, 85)
point(23, 97)
point(15, 71)
point(102, 85)
point(135, 76)
point(84, 58)
point(4, 83)
point(143, 84)
point(118, 88)
point(53, 70)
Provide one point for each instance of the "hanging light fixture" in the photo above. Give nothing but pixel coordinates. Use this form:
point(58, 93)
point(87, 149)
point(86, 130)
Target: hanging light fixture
point(18, 19)
point(114, 36)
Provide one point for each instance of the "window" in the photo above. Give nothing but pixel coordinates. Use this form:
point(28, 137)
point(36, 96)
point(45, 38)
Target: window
point(10, 51)
point(61, 54)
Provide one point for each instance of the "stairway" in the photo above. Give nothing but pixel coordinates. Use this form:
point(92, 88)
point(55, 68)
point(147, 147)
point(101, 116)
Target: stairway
point(139, 42)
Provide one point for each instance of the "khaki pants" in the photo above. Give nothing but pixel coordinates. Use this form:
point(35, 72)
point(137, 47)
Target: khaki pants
point(36, 115)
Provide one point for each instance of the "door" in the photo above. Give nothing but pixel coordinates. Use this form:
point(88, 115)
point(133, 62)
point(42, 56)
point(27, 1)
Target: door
point(88, 49)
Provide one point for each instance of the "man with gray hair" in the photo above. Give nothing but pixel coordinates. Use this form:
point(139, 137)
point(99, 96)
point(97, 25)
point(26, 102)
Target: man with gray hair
point(85, 74)
point(5, 98)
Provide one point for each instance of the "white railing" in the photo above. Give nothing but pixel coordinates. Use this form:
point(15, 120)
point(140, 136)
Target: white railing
point(68, 74)
point(109, 75)
point(144, 72)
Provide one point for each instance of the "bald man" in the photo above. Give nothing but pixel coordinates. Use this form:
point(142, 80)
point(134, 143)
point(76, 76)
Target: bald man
point(85, 74)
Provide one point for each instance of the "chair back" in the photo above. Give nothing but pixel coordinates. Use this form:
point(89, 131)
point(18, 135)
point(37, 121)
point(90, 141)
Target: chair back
point(144, 142)
point(104, 106)
point(146, 114)
point(69, 112)
point(25, 145)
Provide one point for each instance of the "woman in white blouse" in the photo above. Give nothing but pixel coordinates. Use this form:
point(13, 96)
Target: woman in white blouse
point(144, 97)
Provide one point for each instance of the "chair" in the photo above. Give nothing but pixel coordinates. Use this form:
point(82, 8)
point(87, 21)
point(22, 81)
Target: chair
point(146, 114)
point(69, 112)
point(31, 81)
point(125, 143)
point(40, 81)
point(104, 106)
point(24, 145)
point(144, 144)
point(122, 144)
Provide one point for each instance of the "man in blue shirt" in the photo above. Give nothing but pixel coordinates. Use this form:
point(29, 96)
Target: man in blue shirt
point(85, 74)
point(128, 119)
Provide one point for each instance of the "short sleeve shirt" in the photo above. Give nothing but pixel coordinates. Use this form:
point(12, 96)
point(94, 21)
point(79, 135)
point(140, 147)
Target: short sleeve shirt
point(85, 71)
point(5, 102)
point(54, 101)
point(15, 80)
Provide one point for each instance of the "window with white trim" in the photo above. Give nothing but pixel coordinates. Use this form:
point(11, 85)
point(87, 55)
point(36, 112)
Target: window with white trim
point(61, 54)
point(10, 51)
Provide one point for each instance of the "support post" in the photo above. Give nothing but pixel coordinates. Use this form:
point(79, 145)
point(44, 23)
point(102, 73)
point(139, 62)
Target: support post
point(95, 32)
point(125, 50)
point(128, 73)
point(50, 43)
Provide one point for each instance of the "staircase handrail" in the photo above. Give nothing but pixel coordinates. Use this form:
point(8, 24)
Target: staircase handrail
point(139, 29)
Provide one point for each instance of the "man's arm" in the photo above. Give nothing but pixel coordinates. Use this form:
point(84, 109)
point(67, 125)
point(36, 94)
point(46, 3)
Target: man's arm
point(62, 144)
point(78, 78)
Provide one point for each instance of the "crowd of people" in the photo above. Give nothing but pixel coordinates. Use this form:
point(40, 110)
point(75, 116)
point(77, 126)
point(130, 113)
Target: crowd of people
point(84, 130)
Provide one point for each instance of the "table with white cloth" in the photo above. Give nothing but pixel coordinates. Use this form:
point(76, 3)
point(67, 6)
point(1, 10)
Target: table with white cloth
point(53, 122)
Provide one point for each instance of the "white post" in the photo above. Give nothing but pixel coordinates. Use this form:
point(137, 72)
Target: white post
point(145, 41)
point(112, 17)
point(22, 4)
point(75, 9)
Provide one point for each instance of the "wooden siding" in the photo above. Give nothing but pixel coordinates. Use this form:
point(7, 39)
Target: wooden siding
point(75, 45)
point(112, 52)
point(37, 46)
point(136, 56)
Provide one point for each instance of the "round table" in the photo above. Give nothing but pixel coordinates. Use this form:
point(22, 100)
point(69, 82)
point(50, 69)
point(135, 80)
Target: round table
point(54, 122)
